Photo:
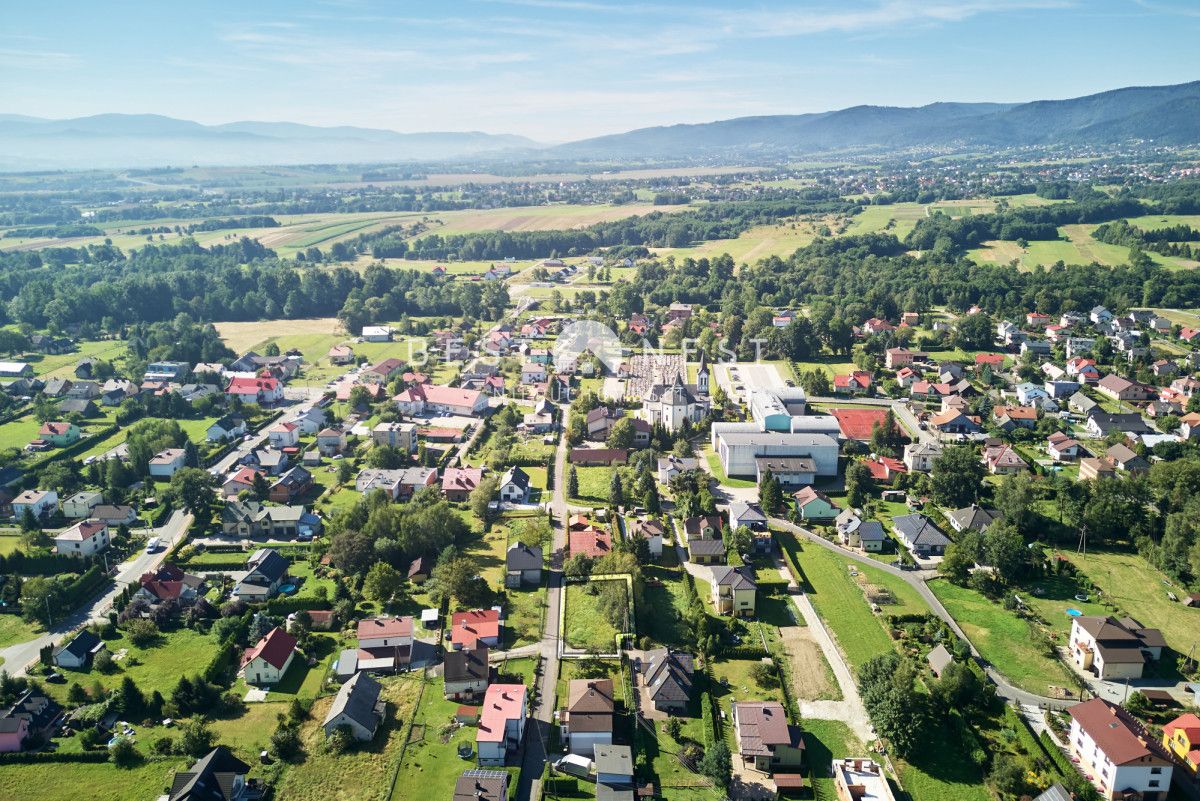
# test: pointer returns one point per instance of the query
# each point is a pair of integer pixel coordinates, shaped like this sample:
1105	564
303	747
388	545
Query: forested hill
1164	114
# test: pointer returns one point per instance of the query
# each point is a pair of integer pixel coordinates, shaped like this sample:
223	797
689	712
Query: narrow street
537	734
18	657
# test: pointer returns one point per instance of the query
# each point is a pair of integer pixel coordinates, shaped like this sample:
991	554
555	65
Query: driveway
17	657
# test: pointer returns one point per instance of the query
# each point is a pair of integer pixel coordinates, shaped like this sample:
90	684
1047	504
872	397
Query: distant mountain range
152	140
1164	114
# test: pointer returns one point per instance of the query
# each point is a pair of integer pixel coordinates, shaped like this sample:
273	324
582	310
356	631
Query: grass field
593	486
825	741
1139	590
666	595
1003	638
759	242
362	774
1076	246
180	652
103	781
841	603
941	772
897	218
244	336
585	626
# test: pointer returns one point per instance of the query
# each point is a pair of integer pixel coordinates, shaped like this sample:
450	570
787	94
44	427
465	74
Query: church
671	404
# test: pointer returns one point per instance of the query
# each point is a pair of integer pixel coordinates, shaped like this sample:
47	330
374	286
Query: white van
153	544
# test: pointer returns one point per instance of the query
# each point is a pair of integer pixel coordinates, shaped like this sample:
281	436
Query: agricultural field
307	335
897	218
363	774
754	244
43	781
1076	246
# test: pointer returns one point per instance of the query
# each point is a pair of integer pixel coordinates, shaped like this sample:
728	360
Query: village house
972	517
765	739
40	503
85	538
268	660
920	535
262	391
475	627
1113	649
283	435
857	382
358	708
734	591
1062	447
402	436
291	485
168	583
331	442
217	776
377	333
587	719
226	428
523	565
434	399
81	504
1002	460
920	456
266	571
1116	753
459	482
79	651
340	355
815	506
167	463
466	673
482	785
666	676
27	721
1122	389
251	519
514	485
60	434
501	723
1182	737
670	466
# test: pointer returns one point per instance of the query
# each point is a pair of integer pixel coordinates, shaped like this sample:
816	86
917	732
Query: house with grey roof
920	535
523	564
972	517
216	776
358	705
667	678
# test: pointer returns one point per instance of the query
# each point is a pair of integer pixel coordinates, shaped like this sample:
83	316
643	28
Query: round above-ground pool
1074	612
287	589
1081	597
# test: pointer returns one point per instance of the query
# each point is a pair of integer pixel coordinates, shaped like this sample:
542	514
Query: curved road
916	580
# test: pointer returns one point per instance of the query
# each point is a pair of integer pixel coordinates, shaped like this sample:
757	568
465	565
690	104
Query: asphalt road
17	657
916	579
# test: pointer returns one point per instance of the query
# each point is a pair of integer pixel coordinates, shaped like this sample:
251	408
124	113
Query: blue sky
561	69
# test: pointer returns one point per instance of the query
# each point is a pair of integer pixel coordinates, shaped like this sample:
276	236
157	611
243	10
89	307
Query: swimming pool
1074	612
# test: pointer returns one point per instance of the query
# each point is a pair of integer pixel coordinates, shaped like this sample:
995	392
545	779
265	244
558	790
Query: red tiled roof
461	478
501	703
469	627
989	358
1116	734
374	627
239	385
883	467
274	649
591	541
435	393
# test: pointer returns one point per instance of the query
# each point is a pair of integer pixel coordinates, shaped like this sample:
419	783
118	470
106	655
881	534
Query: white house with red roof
438	399
855	383
85	538
386	632
283	435
877	326
268	661
252	389
501	723
1003	460
1117	754
474	628
1062	447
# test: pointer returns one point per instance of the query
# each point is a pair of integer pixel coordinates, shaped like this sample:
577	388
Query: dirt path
810	671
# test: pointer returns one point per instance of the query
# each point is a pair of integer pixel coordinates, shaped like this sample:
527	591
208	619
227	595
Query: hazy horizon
557	70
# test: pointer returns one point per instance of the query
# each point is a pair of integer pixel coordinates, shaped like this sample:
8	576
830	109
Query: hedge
74	449
296	603
1025	734
87	583
745	652
161	515
1065	768
710	729
789	700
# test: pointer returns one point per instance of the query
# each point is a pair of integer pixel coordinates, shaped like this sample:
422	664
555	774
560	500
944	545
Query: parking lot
739	380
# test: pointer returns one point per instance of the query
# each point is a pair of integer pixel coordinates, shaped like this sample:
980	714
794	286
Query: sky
557	70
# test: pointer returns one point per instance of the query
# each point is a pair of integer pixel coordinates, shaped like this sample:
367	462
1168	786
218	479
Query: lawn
431	761
942	772
841	603
14	629
1137	589
19	432
180	652
825	741
363	774
732	682
1003	638
523	617
103	782
665	594
581	669
593	486
585	626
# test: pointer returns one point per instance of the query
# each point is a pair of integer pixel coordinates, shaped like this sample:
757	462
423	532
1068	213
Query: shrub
285	742
125	754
